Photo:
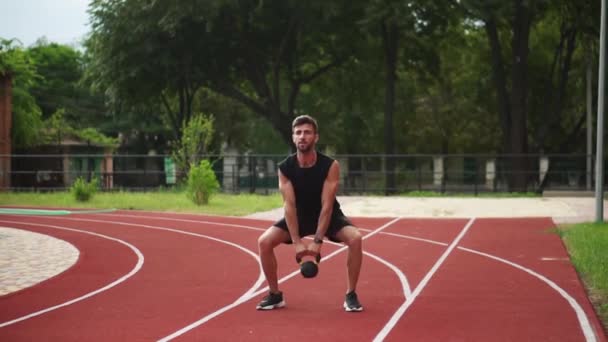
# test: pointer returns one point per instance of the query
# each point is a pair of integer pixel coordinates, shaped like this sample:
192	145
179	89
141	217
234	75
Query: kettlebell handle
317	258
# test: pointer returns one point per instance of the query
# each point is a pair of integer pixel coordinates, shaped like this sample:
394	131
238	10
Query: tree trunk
500	82
513	107
519	99
390	40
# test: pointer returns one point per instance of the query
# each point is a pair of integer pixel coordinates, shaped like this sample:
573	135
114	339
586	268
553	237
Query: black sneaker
272	301
351	302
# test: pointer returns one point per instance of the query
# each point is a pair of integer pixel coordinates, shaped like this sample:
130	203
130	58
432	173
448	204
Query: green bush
83	190
202	183
197	135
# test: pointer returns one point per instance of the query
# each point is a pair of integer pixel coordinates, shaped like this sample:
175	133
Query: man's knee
264	241
271	238
351	236
356	239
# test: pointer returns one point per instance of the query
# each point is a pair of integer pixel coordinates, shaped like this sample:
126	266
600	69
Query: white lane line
410	300
248	295
406	287
416	239
584	322
243	300
138	266
582	318
184	220
580	313
258	282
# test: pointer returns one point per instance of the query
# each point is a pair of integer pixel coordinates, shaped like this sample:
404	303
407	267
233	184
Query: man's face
304	137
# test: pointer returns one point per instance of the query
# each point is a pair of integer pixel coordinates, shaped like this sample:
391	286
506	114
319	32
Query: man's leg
352	238
267	242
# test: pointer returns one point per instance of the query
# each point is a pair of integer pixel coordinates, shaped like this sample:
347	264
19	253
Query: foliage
57	128
256	64
259	54
194	143
238	128
164	46
16	64
27	117
202	183
453	114
45	78
83	190
60	69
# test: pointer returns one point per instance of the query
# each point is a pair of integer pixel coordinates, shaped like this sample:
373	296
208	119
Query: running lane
182	277
314	306
476	282
476	295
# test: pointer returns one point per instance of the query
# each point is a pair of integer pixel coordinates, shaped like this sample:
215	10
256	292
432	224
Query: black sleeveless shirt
308	184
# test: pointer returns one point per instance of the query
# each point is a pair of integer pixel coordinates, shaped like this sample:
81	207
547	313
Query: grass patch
587	244
220	204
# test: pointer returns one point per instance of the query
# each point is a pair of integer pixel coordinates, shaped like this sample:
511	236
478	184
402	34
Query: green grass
220	204
587	244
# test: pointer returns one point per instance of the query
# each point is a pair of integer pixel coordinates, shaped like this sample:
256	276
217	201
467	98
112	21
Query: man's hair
305	119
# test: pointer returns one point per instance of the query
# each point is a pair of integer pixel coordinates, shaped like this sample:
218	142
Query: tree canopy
465	76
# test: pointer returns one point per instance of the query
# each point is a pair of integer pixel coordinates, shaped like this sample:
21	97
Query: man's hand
314	248
301	249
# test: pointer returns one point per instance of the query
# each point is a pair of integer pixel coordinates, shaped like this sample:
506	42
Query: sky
60	21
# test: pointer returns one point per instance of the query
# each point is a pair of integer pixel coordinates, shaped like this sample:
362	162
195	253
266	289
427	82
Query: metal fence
360	174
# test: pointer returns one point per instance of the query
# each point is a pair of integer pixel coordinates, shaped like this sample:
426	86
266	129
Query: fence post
6	95
419	176
490	173
543	167
229	181
438	172
475	178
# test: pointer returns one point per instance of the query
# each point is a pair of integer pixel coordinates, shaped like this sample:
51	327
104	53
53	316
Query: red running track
144	276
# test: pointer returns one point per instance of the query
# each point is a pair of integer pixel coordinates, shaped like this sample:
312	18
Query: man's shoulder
323	157
289	160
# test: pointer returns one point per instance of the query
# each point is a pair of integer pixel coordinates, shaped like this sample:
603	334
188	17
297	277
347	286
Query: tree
142	52
564	40
257	53
283	46
452	110
399	22
27	121
60	71
517	18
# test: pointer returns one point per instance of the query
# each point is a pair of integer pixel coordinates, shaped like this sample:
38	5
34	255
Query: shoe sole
271	307
349	309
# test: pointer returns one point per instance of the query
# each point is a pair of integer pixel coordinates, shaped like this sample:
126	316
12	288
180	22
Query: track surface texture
145	276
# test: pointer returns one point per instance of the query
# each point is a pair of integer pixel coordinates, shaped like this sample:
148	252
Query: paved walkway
561	209
28	258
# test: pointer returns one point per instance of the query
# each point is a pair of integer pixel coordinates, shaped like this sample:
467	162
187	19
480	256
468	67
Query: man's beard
305	148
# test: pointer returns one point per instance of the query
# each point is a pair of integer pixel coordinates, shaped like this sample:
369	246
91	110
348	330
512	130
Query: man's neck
307	159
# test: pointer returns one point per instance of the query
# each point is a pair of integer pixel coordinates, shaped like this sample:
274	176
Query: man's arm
291	214
328	196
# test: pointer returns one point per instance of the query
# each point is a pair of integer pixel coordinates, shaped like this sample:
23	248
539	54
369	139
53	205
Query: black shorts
309	227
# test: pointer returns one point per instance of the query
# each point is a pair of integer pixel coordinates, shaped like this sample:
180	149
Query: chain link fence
360	174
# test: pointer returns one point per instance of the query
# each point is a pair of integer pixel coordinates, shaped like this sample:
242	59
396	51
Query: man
308	181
